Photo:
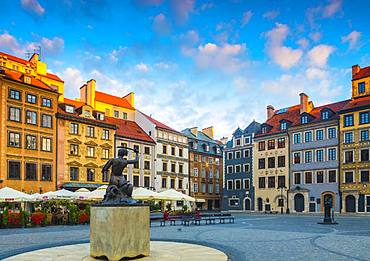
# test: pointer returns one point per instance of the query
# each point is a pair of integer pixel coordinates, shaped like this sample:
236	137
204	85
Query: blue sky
197	63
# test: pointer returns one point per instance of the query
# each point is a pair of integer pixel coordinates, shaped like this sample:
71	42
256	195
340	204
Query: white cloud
303	43
319	55
332	8
142	67
161	25
33	6
73	80
286	57
271	14
316	73
323	11
181	10
115	54
9	43
246	17
352	38
316	36
54	45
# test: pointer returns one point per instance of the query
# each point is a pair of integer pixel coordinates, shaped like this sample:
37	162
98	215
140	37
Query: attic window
87	113
27	79
304	119
100	116
325	115
207	148
283	125
264	130
70	109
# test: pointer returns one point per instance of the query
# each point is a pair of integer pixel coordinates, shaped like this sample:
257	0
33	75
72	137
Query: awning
78	185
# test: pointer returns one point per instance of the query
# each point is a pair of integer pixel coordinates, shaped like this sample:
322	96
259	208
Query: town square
184	130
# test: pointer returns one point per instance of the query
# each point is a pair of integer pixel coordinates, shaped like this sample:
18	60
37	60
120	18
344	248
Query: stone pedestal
119	231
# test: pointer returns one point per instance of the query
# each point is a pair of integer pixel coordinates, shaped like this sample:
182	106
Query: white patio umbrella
145	194
11	195
98	193
60	194
82	193
35	197
174	195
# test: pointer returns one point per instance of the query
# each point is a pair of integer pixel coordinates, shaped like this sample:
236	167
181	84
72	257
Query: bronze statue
119	190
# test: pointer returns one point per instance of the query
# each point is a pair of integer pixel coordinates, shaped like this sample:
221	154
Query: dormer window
238	142
304	119
325	115
195	146
27	79
218	150
70	109
87	113
207	148
361	87
100	116
264	130
283	126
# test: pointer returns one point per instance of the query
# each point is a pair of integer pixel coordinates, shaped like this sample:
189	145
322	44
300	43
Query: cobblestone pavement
252	237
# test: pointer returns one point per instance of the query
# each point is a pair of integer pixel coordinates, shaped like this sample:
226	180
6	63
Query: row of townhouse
303	155
54	142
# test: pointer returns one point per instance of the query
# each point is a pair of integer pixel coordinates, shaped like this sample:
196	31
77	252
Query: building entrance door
350	203
259	203
247	204
299	202
367	203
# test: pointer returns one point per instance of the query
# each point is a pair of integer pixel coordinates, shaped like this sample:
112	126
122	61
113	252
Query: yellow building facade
355	145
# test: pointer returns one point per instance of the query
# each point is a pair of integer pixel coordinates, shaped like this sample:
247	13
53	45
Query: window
364	155
31	117
246	153
229	169
319	134
281	143
229	185
261	182
281	161
320	176
271	182
90	175
136	165
319	155
173	151
348	177
164	149
332	133
46	172
304	119
281	181
229	155
308	177
332	154
308	136
105	134
105	153
180	184
14	114
31	171
247	140
31	142
172	183
90	152
332	176
238	168
246	168
73	173
100	116
283	126
308	156
364	135
271	162
90	131
296	138
204	188
246	184
217	188
146	164
297	178
73	128
14	170
14	139
195	171
238	142
124	115
217	173
271	144
348	157
297	157
73	149
164	182
147	150
116	114
46	121
348	137
181	168
348	120
361	87
325	115
146	181
237	154
364	176
264	130
70	109
261	163
261	145
180	152
238	184
31	98
364	117
204	159
173	167
45	144
195	187
46	102
14	94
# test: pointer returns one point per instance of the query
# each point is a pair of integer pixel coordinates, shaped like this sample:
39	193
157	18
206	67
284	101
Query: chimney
355	69
194	131
209	131
87	93
270	111
303	103
224	140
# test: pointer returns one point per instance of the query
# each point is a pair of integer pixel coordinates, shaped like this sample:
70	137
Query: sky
197	63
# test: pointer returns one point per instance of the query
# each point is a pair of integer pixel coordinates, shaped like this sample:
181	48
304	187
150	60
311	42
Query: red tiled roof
364	72
54	77
18	76
159	124
129	129
357	102
14	58
114	100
